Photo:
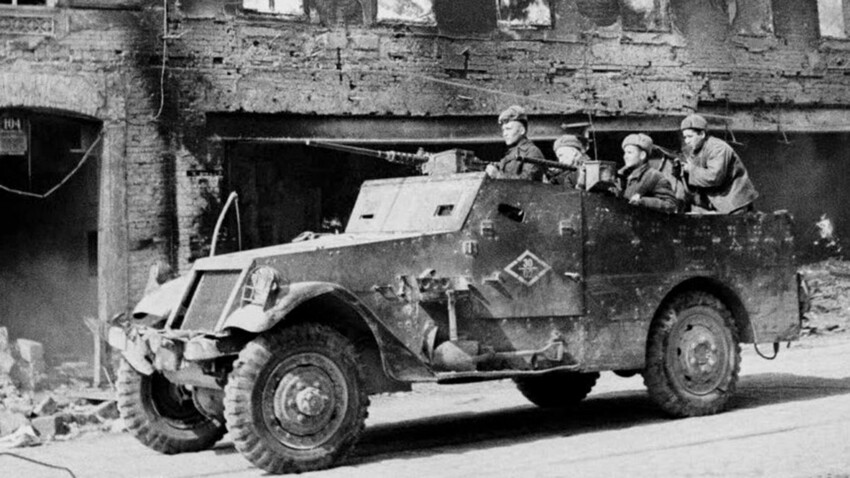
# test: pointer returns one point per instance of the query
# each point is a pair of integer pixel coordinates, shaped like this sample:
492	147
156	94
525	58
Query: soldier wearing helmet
645	186
570	152
514	123
714	172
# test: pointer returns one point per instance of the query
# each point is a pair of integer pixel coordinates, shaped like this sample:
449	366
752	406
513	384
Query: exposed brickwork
106	64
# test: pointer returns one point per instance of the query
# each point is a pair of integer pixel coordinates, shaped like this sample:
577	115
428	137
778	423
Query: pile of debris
39	404
829	296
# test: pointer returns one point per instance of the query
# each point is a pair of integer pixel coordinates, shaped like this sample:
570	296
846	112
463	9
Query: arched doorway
49	188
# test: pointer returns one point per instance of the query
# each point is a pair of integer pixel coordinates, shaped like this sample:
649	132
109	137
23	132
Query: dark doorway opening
48	245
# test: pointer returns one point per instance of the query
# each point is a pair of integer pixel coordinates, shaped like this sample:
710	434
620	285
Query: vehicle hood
243	259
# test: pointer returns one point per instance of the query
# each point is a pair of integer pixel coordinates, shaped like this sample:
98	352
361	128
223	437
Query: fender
398	361
252	318
161	301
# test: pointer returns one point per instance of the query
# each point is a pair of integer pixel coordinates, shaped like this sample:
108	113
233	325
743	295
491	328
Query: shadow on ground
599	413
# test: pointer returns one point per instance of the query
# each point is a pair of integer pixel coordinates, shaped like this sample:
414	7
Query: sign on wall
13	135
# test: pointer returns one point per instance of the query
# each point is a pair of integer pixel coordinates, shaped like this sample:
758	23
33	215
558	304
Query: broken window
280	7
43	3
602	13
525	13
645	15
831	18
753	17
406	11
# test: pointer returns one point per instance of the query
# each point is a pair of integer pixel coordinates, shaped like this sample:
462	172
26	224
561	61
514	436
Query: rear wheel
295	400
693	356
162	414
556	389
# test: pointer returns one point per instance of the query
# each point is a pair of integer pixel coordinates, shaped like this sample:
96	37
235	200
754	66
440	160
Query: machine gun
445	162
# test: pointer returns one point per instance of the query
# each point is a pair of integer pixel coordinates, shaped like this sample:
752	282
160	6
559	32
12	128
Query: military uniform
652	186
511	167
719	179
570	178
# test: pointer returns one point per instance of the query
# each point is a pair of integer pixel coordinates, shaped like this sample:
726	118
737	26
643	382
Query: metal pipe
232	197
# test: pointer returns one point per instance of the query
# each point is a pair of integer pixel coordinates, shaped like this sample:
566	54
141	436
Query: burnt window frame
14	4
398	21
507	24
845	22
304	15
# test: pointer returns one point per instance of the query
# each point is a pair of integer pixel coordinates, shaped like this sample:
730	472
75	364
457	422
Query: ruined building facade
126	123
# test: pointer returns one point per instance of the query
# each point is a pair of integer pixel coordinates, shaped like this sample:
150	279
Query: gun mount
444	162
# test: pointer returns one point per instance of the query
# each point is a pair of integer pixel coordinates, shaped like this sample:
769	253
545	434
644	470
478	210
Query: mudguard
163	299
399	362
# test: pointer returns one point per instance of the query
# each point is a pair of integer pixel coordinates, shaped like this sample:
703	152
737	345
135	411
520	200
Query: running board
468	377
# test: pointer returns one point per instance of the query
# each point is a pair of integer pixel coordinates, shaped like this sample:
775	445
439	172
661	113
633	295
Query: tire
295	400
162	415
557	389
693	356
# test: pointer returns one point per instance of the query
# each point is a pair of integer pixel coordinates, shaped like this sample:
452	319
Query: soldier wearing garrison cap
514	123
645	186
570	152
714	172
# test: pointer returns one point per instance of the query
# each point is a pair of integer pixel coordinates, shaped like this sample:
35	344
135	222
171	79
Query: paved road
791	419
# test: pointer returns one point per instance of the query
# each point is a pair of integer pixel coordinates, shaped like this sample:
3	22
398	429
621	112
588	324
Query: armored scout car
451	278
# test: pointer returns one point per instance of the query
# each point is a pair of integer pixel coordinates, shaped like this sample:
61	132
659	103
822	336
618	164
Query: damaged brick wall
620	58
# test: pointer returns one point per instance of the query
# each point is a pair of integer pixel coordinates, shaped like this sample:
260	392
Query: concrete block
31	351
47	406
11	421
31	366
107	410
7	358
51	426
45	426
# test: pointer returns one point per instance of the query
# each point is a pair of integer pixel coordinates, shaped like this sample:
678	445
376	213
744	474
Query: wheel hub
311	401
306	401
700	358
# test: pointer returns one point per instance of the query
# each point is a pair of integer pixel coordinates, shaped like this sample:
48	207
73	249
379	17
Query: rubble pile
829	296
40	403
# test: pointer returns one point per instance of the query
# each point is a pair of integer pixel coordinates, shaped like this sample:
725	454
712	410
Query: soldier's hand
635	199
492	170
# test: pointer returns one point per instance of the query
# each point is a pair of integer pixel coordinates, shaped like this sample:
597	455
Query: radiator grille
209	299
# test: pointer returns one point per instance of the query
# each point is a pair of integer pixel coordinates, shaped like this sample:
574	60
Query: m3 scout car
451	278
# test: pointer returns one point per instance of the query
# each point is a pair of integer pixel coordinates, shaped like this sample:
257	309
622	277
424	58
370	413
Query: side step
469	377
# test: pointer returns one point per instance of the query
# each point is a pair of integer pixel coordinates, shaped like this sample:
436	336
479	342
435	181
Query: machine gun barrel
410	159
548	164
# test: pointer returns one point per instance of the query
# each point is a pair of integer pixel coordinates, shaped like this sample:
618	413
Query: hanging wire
164	56
64	180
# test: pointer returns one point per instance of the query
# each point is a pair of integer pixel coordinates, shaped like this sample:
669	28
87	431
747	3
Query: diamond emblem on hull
527	268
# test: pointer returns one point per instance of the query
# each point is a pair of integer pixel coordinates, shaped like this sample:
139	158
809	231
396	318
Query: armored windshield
425	204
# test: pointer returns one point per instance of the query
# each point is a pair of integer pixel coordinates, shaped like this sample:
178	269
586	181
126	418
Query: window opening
513	213
280	7
525	13
645	15
406	11
43	3
831	19
445	210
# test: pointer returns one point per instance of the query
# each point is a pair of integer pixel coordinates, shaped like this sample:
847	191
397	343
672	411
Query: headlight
262	283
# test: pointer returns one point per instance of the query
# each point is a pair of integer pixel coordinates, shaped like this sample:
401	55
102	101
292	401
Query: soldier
714	171
514	127
645	186
570	152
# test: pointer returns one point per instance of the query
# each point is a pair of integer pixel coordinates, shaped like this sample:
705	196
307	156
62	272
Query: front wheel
295	400
162	414
693	356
